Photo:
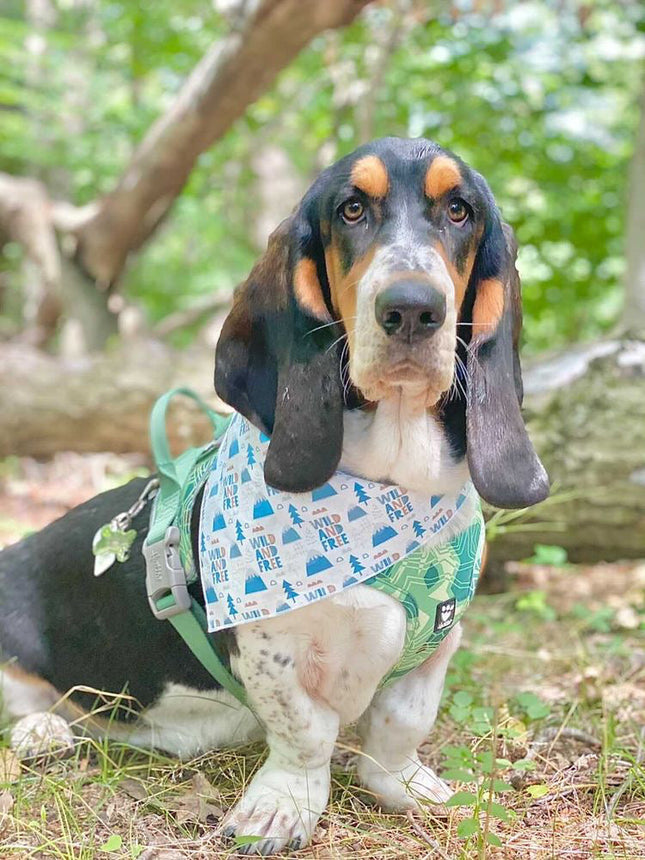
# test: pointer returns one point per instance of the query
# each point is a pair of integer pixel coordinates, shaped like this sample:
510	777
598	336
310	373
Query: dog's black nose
411	309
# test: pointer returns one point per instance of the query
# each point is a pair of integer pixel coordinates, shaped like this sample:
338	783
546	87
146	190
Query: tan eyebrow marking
442	175
370	175
307	289
488	307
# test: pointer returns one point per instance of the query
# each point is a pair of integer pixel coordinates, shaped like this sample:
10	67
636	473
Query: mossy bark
585	411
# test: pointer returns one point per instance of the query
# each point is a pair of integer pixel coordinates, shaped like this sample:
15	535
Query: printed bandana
265	551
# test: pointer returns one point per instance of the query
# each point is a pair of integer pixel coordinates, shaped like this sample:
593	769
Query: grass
558	683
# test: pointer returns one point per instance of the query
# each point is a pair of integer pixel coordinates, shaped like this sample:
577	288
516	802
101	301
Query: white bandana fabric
265	551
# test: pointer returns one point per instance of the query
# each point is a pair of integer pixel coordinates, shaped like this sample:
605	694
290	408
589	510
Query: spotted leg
396	722
282	804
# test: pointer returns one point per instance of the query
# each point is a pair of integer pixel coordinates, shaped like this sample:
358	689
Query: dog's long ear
278	361
503	464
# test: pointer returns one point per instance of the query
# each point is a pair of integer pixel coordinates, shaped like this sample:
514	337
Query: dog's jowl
336	534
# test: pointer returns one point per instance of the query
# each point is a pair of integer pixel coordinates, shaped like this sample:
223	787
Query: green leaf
538	790
498	811
493	839
554	556
462	798
241	841
467	827
524	764
113	843
497	785
459	775
462	698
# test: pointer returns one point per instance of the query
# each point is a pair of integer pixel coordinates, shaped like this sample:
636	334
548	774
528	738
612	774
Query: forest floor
542	728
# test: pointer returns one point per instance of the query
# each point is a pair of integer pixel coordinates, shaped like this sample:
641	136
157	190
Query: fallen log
585	410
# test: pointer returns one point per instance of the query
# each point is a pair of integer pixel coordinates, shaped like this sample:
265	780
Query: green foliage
554	556
536	602
541	98
479	769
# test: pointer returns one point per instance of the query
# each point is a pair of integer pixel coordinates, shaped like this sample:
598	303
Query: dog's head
394	273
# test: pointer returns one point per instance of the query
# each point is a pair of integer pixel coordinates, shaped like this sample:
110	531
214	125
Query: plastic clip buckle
165	577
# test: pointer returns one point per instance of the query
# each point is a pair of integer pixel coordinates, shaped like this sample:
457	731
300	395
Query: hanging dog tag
110	544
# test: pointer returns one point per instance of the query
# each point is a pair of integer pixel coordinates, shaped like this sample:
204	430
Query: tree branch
233	74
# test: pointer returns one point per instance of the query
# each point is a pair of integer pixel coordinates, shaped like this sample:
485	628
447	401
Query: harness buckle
165	576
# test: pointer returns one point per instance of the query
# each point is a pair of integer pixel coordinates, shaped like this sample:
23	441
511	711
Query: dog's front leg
291	789
397	721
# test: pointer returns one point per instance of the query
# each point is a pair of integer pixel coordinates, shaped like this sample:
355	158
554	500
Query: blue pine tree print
357	567
239	534
361	495
202	543
250	455
418	528
232	611
296	519
289	590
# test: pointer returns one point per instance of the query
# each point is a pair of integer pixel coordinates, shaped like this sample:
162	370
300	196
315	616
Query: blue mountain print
253	584
218	522
210	595
434	500
290	535
283	607
355	513
234	448
383	534
350	580
409	548
235	551
317	564
245	478
262	509
264	438
323	492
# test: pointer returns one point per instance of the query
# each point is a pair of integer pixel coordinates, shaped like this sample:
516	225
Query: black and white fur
309	672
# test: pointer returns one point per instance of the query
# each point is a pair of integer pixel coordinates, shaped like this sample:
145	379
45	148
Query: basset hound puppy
377	337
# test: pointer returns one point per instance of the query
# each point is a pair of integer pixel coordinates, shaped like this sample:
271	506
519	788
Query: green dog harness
433	582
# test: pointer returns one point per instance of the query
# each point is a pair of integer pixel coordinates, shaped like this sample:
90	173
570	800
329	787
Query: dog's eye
352	210
458	211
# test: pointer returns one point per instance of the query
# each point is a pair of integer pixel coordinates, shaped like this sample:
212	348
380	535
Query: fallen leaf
133	788
197	803
9	766
162	854
6	805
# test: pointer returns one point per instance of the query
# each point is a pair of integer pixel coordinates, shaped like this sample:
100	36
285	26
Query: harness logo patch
445	614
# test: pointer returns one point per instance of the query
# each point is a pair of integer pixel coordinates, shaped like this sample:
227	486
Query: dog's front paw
279	810
404	788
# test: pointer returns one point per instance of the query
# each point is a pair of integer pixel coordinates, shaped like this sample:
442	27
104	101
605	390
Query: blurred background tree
96	105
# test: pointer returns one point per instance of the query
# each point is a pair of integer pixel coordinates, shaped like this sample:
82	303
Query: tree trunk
634	313
586	415
97	239
585	412
232	75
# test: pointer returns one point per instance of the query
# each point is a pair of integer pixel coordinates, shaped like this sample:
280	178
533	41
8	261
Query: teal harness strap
166	581
173	473
191	626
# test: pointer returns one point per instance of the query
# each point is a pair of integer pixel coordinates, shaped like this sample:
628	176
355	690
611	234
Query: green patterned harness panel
435	585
